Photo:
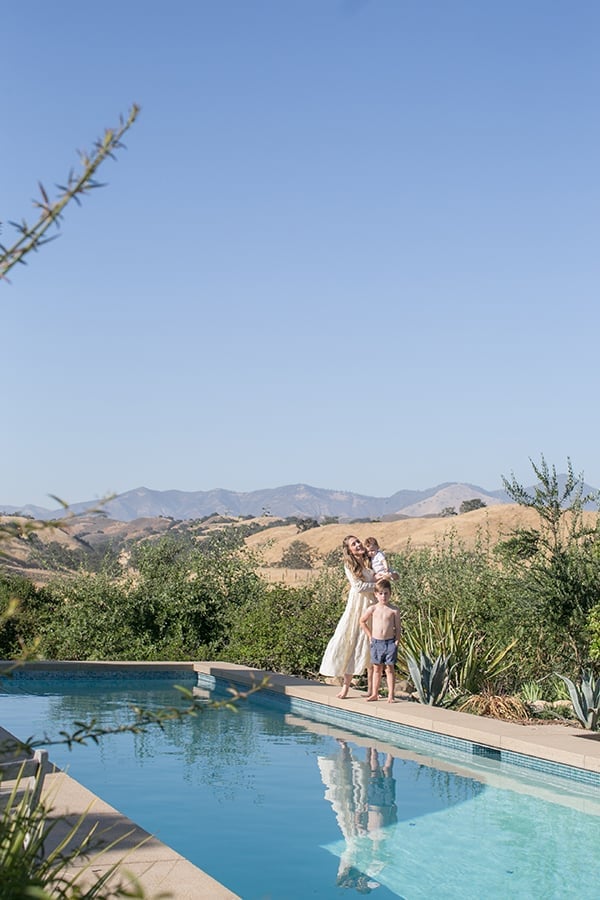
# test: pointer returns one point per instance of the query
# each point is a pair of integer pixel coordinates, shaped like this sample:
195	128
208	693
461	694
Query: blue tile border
126	674
410	737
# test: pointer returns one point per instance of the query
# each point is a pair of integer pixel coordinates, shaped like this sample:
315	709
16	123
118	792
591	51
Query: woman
348	651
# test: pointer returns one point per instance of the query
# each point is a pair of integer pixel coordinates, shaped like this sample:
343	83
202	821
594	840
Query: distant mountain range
300	500
291	500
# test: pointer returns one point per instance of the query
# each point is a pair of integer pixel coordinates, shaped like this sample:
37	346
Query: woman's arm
357	582
392	575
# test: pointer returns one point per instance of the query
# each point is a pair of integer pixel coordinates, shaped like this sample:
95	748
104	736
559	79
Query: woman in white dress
348	652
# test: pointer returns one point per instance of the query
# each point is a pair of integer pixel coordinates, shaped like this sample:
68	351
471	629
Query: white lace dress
348	651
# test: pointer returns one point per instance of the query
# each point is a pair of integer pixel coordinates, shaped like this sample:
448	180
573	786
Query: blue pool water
276	806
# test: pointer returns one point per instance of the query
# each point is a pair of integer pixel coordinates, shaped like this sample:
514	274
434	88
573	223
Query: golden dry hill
495	521
491	523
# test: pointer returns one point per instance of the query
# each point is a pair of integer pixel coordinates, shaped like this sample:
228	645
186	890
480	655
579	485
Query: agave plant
430	678
476	666
585	698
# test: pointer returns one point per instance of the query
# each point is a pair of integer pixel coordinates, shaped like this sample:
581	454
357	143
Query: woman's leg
345	687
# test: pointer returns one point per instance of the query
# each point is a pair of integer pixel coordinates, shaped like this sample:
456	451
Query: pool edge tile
445	727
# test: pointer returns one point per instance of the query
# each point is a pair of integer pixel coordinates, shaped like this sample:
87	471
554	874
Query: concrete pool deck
161	869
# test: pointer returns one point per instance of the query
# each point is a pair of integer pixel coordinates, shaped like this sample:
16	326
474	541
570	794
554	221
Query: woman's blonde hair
355	564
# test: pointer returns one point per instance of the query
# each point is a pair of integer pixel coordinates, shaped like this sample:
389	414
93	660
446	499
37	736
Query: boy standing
381	624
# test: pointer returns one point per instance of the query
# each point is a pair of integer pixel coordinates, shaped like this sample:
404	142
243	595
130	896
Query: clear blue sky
351	243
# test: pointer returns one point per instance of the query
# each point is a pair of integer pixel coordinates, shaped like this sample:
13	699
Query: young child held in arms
381	624
377	556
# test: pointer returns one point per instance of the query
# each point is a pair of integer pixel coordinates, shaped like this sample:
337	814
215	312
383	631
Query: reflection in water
362	793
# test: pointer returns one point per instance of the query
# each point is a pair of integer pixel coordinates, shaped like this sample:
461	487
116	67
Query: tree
469	505
448	511
297	556
559	508
558	561
306	524
333	558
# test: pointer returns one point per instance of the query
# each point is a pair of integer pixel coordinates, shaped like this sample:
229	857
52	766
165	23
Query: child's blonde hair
372	543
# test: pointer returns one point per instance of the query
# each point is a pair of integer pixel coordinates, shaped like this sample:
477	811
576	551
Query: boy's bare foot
343	693
391	699
372	698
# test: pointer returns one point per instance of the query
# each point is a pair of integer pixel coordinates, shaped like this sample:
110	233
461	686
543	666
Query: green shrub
557	563
178	605
593	626
286	629
25	603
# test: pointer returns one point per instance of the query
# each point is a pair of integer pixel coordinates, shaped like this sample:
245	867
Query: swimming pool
276	806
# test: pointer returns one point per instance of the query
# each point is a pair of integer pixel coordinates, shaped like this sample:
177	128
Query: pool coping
159	868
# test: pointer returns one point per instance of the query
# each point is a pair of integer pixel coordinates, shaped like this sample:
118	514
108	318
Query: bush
24	602
176	606
557	563
477	665
467	581
593	626
286	629
500	601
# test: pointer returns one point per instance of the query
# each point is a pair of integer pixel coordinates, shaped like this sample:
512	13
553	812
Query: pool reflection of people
362	793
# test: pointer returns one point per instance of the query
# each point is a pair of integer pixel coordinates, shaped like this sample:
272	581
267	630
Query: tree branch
32	237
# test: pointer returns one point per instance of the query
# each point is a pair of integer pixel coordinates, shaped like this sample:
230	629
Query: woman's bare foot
391	699
375	697
343	693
